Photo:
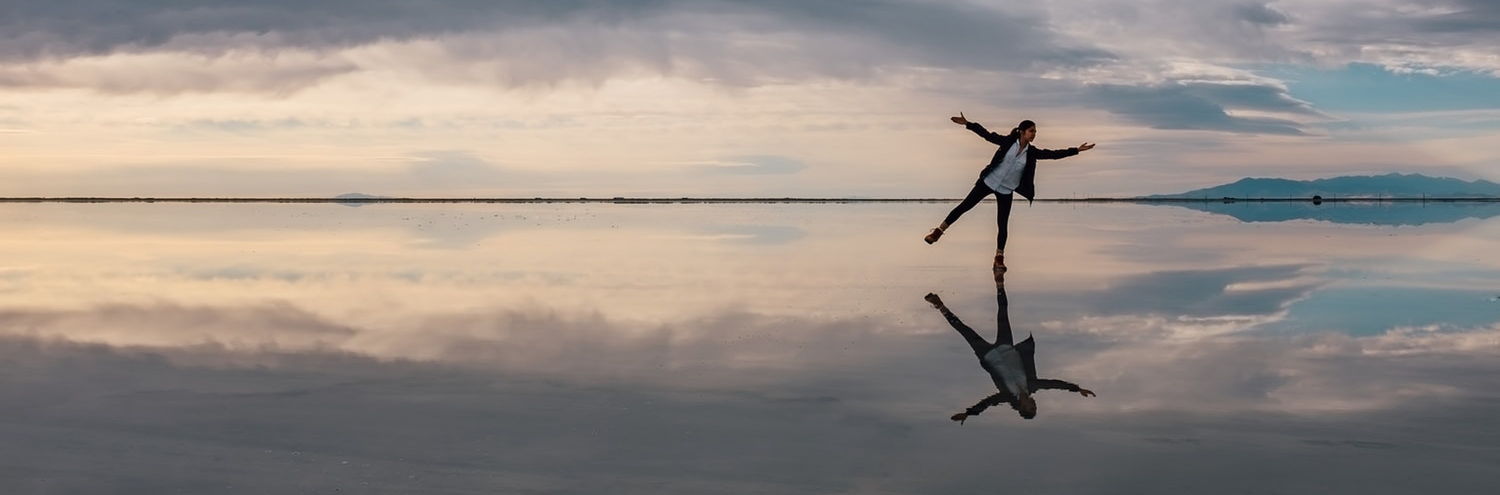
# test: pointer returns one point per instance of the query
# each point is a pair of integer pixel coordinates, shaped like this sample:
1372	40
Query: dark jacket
1027	188
1027	348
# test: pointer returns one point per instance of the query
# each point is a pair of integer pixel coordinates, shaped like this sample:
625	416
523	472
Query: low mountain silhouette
357	199
1364	186
357	195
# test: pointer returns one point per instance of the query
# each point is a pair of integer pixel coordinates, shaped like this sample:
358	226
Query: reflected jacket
1027	348
1027	188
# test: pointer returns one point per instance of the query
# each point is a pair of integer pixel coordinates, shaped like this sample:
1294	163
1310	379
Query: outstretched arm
1042	154
978	129
1050	384
975	409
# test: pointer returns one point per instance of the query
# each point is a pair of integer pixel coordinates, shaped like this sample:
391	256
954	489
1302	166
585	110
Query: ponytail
1021	127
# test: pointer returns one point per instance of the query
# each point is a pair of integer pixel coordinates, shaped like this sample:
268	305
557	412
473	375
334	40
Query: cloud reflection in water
622	351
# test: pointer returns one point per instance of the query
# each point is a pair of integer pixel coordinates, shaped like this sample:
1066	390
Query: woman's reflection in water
1012	366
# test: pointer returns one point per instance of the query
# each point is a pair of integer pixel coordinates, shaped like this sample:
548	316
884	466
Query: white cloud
276	73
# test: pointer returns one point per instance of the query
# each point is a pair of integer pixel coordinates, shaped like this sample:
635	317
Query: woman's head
1025	406
1025	131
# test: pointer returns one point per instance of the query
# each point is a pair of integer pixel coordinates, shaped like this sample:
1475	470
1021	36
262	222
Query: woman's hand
1085	392
960	417
1081	147
960	120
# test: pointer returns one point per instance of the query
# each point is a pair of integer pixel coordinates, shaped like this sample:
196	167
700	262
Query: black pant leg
1002	319
1003	219
976	195
976	342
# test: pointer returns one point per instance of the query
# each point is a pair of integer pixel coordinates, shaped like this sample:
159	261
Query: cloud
78	28
330	422
459	170
1376	310
1249	291
945	34
1144	360
579	404
1153	42
1262	14
430	173
519	43
163	73
753	165
711	351
1452	34
1467	17
167	325
1203	106
637	73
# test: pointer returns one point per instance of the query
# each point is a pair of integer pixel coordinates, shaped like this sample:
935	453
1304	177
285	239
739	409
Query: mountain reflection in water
1350	212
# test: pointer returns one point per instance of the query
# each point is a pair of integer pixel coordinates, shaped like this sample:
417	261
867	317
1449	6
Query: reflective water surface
740	348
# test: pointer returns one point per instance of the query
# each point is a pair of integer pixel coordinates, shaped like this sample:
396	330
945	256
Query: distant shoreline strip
686	200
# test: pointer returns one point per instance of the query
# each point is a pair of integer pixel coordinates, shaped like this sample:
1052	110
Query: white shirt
1006	361
1005	178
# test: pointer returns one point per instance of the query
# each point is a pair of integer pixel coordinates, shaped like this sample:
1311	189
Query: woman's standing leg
1002	319
976	195
1002	220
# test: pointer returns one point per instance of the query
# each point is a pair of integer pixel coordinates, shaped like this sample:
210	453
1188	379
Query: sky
732	98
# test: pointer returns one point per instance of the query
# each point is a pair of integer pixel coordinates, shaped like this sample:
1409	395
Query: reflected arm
983	404
1050	384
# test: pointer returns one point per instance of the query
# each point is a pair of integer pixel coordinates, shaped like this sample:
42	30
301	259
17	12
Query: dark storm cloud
1436	26
1203	106
945	34
81	27
525	42
1464	17
1261	14
1250	96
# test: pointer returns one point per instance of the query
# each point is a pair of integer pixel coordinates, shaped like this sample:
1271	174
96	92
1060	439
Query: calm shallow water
742	348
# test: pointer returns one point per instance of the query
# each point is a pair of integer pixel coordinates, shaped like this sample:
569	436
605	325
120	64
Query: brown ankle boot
934	236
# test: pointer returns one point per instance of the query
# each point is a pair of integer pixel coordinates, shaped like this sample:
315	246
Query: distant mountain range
359	196
1367	186
357	199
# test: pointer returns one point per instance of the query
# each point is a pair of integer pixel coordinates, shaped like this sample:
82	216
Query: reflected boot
934	300
999	265
934	236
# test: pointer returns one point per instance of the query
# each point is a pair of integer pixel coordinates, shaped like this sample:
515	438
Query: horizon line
687	199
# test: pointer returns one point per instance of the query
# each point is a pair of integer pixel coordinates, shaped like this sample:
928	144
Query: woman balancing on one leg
1012	170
